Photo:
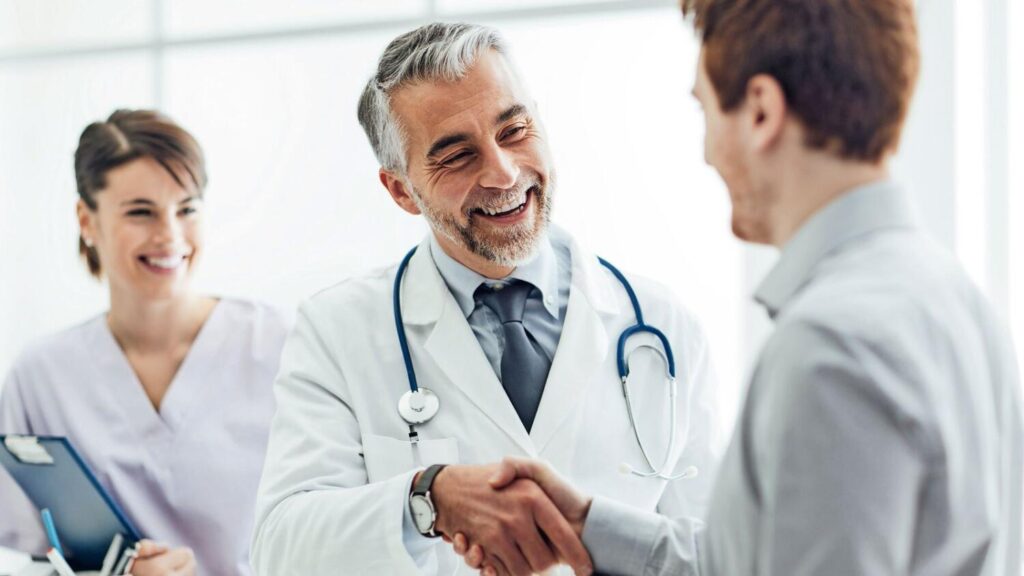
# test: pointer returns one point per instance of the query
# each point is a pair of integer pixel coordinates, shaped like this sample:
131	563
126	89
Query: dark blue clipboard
86	517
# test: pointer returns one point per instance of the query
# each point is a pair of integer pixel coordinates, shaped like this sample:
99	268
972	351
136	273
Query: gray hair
434	52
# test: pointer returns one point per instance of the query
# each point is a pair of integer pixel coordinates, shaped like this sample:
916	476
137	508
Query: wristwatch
421	505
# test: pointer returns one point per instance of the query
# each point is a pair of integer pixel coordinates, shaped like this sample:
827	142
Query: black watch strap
426	480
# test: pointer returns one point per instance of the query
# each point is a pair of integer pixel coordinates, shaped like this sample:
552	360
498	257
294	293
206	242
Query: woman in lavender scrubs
167	395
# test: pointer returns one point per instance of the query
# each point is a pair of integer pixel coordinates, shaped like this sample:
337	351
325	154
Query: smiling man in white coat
511	325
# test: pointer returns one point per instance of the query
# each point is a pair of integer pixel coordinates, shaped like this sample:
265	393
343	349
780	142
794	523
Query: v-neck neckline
182	393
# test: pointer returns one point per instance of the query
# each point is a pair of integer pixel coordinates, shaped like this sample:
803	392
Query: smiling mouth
513	208
165	262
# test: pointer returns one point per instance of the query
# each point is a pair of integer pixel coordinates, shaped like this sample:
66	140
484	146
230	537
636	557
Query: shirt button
497	286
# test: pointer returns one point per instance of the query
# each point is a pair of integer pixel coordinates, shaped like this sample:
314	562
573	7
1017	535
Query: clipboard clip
28	450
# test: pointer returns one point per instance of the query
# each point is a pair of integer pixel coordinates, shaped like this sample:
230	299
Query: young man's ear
766	101
399	190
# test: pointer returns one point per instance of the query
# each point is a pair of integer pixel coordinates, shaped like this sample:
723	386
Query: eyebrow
510	113
148	202
444	142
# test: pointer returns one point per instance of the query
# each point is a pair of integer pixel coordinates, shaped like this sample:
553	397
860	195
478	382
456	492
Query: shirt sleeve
838	464
623	540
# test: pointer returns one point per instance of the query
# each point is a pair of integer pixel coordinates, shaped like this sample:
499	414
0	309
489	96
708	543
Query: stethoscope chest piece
418	407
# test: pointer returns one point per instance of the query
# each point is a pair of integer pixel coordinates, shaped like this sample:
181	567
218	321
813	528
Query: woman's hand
160	560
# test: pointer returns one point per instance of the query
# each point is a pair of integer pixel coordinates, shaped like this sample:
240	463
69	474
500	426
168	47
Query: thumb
148	548
508	470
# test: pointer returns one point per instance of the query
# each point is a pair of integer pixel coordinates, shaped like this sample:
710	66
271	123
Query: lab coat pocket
387	457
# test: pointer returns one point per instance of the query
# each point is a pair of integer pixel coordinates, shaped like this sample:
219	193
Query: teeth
510	206
169	263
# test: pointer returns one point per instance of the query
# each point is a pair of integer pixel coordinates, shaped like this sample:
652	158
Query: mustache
487	198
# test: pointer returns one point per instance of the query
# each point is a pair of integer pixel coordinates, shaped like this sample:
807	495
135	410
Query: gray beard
517	247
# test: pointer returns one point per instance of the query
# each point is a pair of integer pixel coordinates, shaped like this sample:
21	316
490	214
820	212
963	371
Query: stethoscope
419	404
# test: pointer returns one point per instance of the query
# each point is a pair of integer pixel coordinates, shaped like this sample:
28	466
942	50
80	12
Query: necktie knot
507	300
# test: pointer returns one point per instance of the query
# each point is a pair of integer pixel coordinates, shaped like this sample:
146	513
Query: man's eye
456	158
139	212
514	131
188	210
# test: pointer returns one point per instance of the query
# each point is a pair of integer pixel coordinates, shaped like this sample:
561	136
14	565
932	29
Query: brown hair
847	67
125	136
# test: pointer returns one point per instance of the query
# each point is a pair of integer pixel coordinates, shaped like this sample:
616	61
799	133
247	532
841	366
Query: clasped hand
513	518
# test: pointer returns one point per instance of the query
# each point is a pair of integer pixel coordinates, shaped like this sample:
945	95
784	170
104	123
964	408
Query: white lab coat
339	463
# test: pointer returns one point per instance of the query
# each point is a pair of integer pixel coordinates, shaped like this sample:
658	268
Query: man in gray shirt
882	431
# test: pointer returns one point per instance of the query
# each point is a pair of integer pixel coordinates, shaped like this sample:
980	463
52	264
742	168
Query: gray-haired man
509	322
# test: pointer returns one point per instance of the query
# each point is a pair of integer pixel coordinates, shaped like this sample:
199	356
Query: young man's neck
807	186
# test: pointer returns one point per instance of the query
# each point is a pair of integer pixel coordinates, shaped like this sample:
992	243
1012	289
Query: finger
536	551
496	566
460	544
475	557
489	571
148	548
503	475
562	537
511	559
188	560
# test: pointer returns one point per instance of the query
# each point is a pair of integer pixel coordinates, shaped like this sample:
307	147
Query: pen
127	560
51	530
58	563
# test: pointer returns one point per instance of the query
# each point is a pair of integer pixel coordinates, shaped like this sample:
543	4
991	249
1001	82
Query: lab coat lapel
454	348
582	348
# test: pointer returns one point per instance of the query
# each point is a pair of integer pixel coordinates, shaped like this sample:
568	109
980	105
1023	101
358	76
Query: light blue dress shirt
882	430
550	272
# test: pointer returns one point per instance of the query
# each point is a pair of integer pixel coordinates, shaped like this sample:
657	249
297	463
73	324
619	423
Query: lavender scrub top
185	475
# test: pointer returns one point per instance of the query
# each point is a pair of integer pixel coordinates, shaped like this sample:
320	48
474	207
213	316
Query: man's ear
767	110
400	192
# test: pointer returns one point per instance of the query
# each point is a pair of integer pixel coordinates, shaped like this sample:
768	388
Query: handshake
513	518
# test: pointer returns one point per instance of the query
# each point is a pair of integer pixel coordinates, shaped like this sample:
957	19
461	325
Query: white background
269	88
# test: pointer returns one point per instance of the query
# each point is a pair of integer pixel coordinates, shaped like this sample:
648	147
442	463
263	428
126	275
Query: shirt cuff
418	545
619	537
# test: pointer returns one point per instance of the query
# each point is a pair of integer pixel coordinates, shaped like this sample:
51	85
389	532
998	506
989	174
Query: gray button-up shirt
881	433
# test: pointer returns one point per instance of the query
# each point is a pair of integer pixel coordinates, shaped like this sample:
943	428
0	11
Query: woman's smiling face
146	228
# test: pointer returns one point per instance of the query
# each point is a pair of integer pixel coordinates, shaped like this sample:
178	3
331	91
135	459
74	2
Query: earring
88	242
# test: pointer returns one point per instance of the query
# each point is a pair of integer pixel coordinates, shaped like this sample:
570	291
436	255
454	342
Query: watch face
422	513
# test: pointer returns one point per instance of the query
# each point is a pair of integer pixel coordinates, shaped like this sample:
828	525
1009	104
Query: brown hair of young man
847	67
125	136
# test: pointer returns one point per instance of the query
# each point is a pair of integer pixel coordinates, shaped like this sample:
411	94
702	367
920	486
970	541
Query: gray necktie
524	365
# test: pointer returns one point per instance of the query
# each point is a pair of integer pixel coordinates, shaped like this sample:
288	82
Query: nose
168	229
500	169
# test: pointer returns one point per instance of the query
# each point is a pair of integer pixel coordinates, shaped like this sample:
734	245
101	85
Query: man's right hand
520	528
572	505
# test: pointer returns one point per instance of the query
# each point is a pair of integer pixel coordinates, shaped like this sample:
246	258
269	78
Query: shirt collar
870	208
541	271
